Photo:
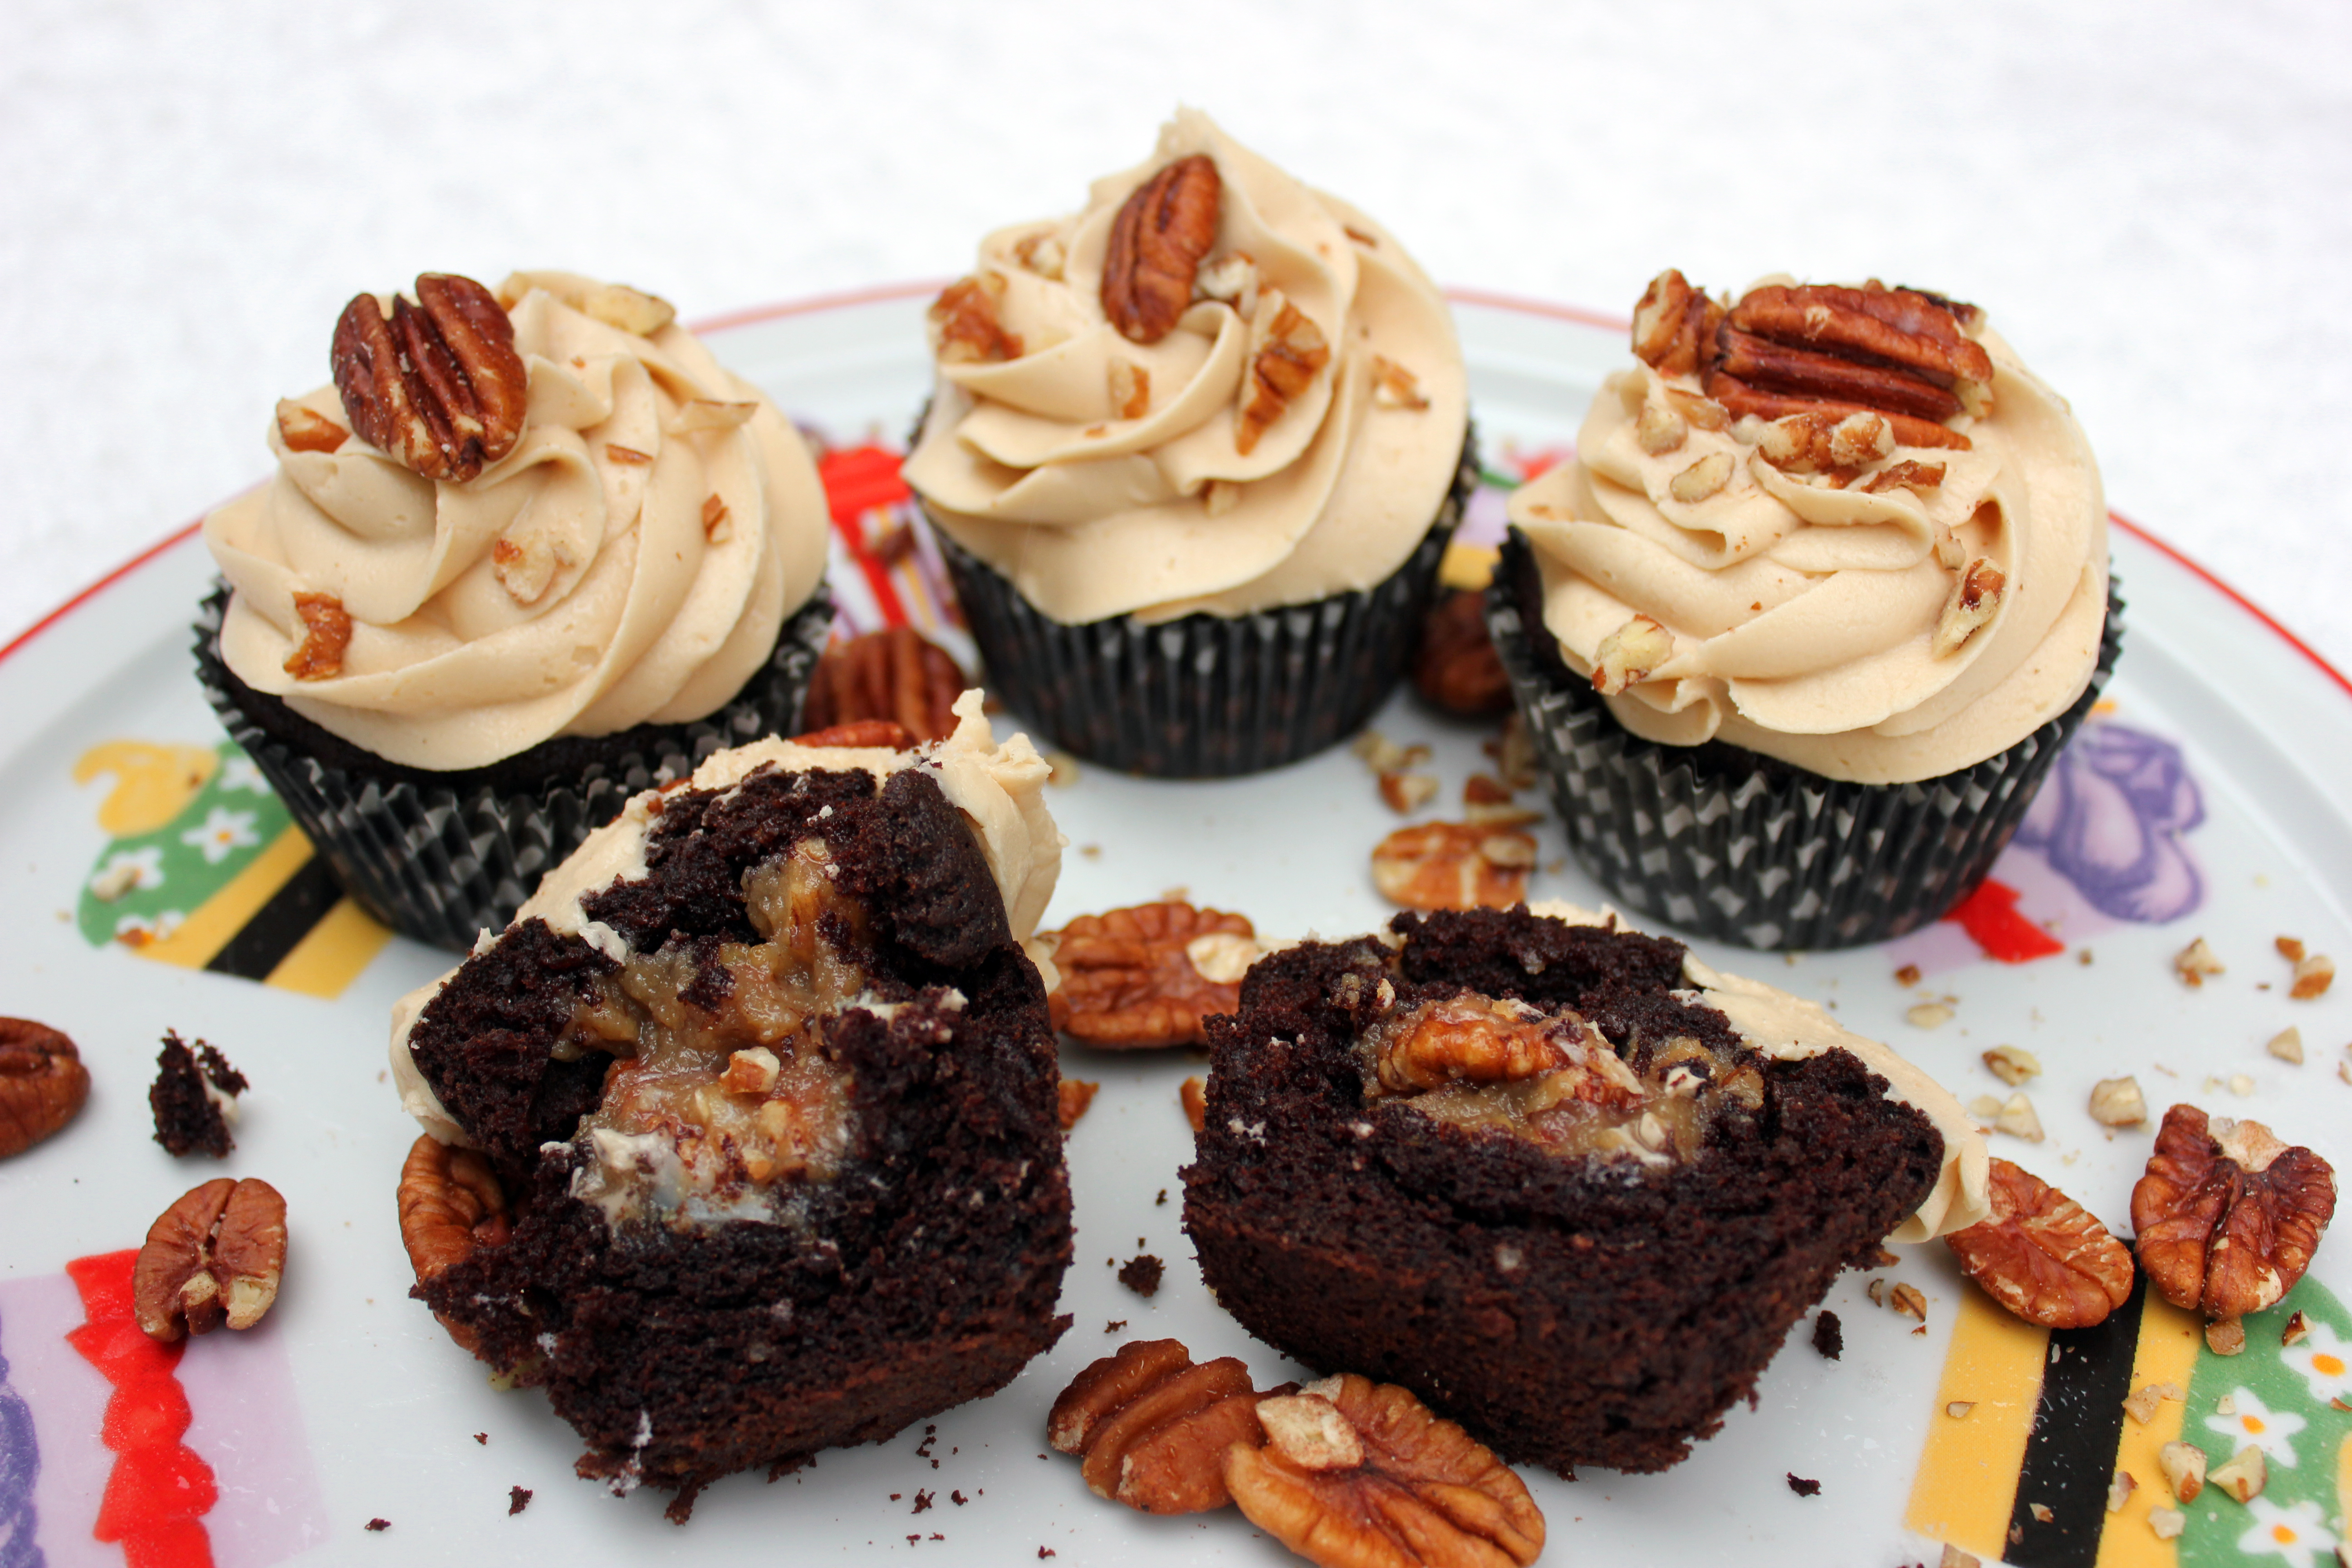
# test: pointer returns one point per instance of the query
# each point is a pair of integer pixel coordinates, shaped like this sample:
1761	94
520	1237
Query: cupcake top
1212	389
1844	527
998	789
546	512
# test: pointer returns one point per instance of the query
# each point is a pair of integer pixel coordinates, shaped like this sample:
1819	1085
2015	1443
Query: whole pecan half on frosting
1157	242
437	384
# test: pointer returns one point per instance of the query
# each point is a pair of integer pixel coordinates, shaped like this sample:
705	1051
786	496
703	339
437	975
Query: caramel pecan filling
722	1104
1489	1064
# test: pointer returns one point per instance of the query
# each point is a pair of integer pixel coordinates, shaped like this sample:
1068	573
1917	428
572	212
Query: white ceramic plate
2211	799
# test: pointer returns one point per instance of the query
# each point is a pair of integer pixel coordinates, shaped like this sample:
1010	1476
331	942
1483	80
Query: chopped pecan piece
2118	1103
1457	667
1393	386
1822	442
969	330
42	1083
2228	1215
1705	477
1974	601
2042	1254
1355	1474
307	430
1453	866
1289	349
1075	1095
2314	974
1157	241
1192	1094
1905	475
1151	1428
438	386
1144	977
213	1256
1627	656
1130	389
2197	963
895	674
326	633
1675	325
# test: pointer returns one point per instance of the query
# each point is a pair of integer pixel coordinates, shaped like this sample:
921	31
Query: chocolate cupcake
1563	1181
1801	629
1193	454
741	1142
528	555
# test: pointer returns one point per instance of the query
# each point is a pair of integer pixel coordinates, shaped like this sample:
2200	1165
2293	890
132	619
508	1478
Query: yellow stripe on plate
331	954
2167	1353
211	924
1967	1482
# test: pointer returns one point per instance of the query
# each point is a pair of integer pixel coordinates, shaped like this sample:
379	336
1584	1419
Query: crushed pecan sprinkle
306	430
895	674
1157	241
1289	349
1146	976
2228	1215
326	633
436	385
1453	866
969	330
2042	1254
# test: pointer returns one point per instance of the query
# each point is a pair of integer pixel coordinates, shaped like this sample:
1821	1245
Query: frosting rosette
629	558
1841	527
1211	390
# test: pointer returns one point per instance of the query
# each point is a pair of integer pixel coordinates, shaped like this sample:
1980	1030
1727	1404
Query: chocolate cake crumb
1161	1199
1045	1552
187	1117
923	1502
1141	1274
378	1524
483	1438
958	1499
1829	1334
1803	1487
1114	1325
518	1500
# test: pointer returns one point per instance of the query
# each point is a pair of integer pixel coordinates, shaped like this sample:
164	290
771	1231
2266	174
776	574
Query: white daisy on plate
2251	1424
221	833
239	772
2298	1533
2324	1361
128	871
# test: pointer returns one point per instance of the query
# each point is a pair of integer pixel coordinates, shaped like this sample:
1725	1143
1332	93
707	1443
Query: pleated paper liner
441	858
1722	843
1206	696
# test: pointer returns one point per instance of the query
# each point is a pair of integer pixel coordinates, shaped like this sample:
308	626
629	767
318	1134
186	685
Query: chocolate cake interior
786	1173
1518	1166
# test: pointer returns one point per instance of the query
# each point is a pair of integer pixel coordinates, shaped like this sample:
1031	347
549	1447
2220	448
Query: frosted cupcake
1809	618
1195	451
527	555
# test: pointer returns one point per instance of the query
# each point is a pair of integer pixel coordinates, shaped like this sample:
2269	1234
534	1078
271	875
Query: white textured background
2154	201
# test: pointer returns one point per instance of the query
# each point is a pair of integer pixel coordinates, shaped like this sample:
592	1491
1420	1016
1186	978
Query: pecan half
1453	866
436	385
1355	1474
1457	667
965	315
1143	977
2228	1215
213	1256
2042	1254
1151	1428
895	674
1287	349
1673	324
326	633
1157	242
42	1083
450	1205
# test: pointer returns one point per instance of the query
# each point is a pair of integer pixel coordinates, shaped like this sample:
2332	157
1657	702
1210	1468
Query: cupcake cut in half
1195	451
529	552
1562	1180
741	1142
1805	622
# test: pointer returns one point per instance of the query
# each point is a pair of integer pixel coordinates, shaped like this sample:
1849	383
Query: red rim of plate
855	296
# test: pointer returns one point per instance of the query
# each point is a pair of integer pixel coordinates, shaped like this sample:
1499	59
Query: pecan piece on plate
1143	977
436	385
1457	667
1453	866
213	1256
1151	1428
42	1083
896	674
1155	245
1355	1474
2042	1254
2228	1215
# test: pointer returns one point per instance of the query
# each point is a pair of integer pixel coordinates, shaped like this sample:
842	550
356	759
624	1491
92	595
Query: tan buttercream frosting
1789	1028
999	788
1803	615
584	583
1028	464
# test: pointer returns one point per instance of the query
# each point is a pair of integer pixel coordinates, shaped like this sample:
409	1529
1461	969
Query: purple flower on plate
2110	820
20	1466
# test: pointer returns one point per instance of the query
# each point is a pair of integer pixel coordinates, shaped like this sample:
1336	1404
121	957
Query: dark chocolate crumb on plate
483	1438
1829	1334
958	1499
1045	1552
1141	1274
1803	1487
923	1502
378	1524
1114	1325
518	1500
187	1117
